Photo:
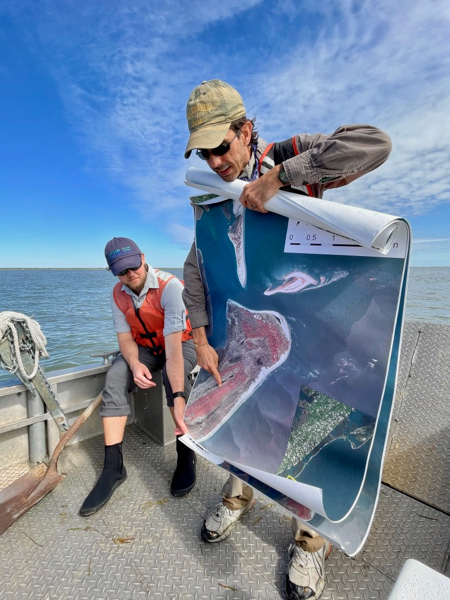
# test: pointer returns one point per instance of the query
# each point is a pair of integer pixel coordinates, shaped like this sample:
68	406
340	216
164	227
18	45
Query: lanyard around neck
255	168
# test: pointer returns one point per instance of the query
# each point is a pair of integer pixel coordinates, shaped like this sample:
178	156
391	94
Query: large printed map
305	345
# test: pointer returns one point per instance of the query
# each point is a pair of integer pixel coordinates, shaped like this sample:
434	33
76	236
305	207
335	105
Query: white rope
32	328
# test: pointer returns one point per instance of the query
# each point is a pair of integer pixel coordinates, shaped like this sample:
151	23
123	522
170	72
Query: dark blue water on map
73	309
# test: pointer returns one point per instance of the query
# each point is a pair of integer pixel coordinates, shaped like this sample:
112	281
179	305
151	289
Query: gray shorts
119	379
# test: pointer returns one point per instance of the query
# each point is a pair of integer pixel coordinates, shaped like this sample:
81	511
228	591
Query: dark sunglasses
219	151
125	271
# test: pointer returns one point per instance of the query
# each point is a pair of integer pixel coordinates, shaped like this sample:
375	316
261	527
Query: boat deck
146	544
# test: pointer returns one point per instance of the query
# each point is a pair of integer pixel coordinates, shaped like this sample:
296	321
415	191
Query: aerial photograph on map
257	343
304	343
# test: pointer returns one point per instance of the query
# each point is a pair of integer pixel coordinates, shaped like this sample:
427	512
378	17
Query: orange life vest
147	322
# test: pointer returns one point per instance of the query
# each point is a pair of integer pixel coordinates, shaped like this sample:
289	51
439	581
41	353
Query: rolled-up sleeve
173	306
194	293
335	160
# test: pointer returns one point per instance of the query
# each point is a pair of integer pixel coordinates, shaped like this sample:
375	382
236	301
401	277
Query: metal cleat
106	355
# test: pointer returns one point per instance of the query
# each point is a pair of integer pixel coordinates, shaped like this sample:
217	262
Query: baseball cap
122	253
210	110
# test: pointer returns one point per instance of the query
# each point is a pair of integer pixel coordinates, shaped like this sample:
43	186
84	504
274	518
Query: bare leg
113	429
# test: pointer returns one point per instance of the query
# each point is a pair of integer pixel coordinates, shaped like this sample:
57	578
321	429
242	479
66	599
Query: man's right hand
208	359
142	376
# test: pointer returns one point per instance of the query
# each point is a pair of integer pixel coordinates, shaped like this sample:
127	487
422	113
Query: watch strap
179	395
282	176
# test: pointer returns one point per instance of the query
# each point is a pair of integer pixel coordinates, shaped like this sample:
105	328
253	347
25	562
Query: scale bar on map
304	238
329	245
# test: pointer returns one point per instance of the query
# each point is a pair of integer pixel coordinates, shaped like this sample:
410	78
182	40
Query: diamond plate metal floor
10	474
418	458
146	544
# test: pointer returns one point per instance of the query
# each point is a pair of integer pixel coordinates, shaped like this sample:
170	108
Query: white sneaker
220	521
305	577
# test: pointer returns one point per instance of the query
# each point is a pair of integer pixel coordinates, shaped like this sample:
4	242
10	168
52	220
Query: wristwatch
282	176
179	395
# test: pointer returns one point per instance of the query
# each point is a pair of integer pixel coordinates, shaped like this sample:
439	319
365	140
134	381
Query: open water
72	307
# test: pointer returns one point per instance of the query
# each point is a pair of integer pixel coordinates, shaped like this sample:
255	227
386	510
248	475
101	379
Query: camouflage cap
211	108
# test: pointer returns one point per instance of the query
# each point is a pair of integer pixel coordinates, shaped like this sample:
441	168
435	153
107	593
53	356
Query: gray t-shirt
171	302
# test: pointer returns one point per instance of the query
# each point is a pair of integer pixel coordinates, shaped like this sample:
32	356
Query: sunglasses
125	271
219	151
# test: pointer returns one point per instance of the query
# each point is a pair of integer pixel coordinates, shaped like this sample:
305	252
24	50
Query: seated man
154	333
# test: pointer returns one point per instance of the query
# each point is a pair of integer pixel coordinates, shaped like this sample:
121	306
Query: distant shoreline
72	268
104	268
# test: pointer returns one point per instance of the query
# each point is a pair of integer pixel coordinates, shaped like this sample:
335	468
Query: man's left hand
258	192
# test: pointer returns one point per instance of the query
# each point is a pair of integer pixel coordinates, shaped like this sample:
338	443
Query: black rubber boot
113	474
184	477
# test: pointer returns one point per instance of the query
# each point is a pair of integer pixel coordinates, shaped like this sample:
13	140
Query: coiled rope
36	339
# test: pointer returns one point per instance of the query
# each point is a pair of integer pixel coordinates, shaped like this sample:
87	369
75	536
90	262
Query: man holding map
305	164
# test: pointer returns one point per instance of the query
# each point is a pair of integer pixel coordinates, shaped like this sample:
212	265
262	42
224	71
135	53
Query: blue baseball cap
122	253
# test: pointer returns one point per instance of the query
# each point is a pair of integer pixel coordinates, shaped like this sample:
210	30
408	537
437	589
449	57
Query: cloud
431	252
124	74
431	241
181	235
377	63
